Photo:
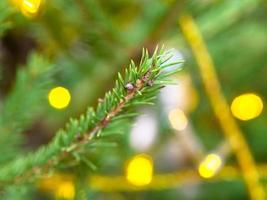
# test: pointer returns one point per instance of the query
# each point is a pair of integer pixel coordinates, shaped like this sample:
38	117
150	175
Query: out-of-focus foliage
87	42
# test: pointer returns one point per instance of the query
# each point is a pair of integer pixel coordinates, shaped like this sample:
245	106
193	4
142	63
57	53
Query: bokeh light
144	132
139	170
178	119
247	106
30	7
59	97
210	165
65	190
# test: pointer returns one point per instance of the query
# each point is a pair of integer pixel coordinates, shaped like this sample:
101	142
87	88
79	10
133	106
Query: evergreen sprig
138	87
23	103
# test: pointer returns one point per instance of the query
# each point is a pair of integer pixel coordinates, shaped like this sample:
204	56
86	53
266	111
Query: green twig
138	85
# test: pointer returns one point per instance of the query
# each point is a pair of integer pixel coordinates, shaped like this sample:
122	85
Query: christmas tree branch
22	103
139	86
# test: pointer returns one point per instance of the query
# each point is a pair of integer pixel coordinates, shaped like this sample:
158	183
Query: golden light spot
210	166
247	106
65	190
59	97
178	119
140	170
30	7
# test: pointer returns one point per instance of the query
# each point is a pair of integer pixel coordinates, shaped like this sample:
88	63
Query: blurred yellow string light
232	132
160	181
65	190
59	97
30	7
139	170
210	165
247	106
178	119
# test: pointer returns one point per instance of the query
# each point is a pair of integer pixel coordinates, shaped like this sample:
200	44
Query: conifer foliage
138	87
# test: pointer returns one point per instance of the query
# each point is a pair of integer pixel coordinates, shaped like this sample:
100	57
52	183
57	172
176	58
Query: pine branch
23	103
138	85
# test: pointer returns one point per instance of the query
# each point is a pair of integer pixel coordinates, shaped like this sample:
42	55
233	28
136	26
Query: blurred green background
88	41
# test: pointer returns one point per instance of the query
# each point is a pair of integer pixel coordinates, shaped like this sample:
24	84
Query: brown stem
41	170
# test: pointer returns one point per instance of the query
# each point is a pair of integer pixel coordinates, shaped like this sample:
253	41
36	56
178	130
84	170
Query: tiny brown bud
146	77
138	83
129	86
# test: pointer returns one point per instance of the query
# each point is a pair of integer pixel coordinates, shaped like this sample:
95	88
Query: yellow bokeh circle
247	106
178	119
65	190
210	166
59	97
139	171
